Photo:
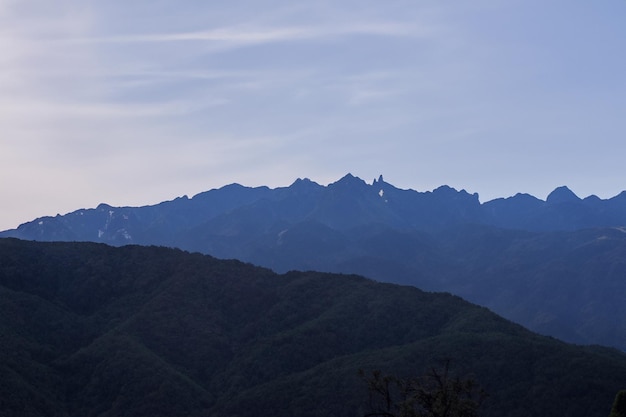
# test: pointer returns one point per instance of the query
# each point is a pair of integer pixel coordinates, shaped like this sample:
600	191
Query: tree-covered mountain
94	330
555	266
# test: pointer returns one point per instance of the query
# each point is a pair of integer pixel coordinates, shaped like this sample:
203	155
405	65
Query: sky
136	102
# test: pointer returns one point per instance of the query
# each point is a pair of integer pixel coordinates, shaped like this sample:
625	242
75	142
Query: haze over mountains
555	266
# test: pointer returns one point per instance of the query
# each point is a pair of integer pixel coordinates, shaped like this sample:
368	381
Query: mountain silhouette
555	266
94	330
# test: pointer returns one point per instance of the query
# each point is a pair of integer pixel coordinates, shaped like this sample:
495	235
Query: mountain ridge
532	261
443	206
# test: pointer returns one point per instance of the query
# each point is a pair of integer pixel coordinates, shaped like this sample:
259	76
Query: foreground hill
93	330
555	266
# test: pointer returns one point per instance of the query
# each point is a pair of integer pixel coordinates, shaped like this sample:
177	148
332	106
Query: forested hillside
93	330
554	266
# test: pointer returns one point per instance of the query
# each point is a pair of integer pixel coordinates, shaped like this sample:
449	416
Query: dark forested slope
92	330
555	266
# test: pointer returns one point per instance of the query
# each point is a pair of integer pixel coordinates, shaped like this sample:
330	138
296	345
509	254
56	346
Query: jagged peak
378	181
233	186
592	198
562	194
349	179
446	190
303	181
303	184
520	197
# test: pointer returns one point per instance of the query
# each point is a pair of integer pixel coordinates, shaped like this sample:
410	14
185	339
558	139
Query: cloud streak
249	36
126	94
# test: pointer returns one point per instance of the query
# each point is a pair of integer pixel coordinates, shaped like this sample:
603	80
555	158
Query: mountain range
93	330
556	266
345	204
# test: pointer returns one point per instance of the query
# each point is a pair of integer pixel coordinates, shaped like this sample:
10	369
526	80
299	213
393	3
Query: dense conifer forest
93	330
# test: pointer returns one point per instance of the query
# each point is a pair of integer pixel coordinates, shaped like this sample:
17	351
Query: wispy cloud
228	87
239	35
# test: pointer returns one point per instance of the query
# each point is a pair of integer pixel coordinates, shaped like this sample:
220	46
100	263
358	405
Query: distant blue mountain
345	204
556	266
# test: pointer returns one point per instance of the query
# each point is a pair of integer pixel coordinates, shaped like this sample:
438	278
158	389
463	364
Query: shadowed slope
93	330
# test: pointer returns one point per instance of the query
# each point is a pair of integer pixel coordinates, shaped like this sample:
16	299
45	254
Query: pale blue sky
136	102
